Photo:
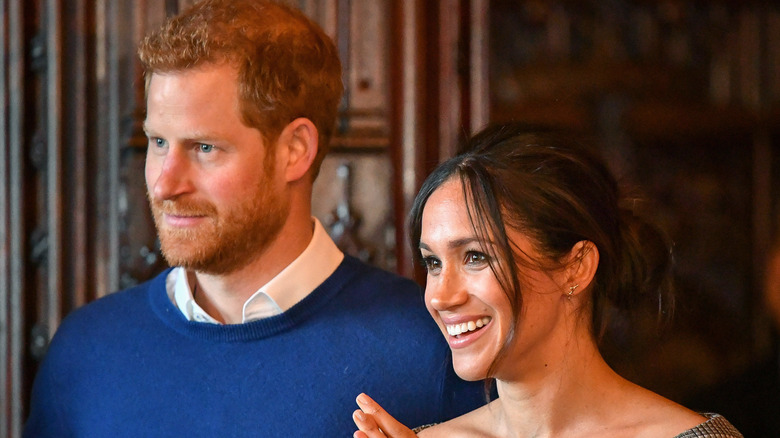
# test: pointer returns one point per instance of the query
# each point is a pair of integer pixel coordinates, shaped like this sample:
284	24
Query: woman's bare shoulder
474	424
653	415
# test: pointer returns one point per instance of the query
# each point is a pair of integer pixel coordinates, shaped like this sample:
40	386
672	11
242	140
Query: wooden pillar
439	94
12	256
408	136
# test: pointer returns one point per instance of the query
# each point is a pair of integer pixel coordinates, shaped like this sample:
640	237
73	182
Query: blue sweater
131	365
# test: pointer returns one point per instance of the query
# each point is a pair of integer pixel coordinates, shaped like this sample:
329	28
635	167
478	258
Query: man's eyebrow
198	135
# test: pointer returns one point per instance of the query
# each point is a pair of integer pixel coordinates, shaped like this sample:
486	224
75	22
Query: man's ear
582	266
297	147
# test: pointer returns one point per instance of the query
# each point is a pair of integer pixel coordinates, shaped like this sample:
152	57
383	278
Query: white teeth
456	329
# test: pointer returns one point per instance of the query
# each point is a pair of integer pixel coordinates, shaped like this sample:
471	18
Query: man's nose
169	176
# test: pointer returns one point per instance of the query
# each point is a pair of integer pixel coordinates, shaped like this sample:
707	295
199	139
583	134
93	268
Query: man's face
215	195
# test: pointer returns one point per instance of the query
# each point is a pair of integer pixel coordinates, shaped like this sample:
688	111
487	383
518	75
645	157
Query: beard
228	239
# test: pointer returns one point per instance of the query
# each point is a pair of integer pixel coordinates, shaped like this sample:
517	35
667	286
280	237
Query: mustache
187	207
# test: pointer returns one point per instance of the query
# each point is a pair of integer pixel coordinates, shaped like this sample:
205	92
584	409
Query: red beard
225	240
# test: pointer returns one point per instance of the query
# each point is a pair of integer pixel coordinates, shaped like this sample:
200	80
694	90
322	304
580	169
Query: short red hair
287	66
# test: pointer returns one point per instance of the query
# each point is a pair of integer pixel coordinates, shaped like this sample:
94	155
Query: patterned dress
716	426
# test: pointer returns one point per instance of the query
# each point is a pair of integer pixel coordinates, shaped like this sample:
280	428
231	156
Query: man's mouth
465	327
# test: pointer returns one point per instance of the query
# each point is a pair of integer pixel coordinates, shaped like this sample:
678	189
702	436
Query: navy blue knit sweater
130	365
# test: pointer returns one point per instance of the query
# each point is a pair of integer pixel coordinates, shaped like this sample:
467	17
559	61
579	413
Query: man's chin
182	261
201	260
188	254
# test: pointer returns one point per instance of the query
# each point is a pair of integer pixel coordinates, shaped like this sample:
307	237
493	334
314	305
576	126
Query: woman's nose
446	291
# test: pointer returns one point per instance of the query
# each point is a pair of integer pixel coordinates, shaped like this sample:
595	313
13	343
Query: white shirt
313	266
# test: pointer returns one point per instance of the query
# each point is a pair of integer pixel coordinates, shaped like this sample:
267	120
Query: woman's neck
560	396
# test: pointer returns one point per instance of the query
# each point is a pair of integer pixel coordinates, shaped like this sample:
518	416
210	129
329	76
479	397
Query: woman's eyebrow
458	243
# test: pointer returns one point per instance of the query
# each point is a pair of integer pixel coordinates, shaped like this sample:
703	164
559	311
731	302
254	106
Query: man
263	328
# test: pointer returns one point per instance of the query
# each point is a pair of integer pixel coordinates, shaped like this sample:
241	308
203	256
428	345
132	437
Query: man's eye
159	142
206	147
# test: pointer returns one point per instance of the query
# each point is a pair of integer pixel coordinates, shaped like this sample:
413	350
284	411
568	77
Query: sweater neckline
255	330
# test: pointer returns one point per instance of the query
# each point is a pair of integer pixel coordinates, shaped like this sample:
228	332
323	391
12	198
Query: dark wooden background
682	94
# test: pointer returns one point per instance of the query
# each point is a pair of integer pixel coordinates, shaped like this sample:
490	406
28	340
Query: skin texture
552	381
230	206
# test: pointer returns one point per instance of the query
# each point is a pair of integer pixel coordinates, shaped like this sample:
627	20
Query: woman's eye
475	258
206	147
432	264
158	142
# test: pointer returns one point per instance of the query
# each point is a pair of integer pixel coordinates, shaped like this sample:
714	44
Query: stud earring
571	290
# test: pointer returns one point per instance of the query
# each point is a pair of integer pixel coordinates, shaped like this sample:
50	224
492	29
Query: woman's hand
375	422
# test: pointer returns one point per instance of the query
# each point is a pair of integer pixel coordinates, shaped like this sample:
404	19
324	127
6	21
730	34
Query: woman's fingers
366	425
377	422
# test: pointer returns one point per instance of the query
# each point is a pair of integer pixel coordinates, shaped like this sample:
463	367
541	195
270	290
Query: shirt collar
315	264
312	267
183	298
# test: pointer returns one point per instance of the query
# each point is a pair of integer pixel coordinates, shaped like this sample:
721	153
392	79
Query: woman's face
465	299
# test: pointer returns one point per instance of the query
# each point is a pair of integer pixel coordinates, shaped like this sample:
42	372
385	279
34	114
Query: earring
571	290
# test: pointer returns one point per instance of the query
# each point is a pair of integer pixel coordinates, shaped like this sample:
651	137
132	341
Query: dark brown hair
287	66
558	193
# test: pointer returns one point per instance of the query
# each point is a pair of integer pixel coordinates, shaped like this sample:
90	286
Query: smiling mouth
465	327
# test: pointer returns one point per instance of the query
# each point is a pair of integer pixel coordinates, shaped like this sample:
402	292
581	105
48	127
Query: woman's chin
469	372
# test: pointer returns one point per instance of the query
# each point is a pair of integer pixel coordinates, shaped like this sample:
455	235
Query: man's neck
223	295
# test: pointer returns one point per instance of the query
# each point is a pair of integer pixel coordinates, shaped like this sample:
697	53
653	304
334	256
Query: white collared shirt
313	266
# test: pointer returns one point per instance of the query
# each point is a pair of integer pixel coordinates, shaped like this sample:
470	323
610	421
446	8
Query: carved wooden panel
361	32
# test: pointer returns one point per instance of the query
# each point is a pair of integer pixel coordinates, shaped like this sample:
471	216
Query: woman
527	244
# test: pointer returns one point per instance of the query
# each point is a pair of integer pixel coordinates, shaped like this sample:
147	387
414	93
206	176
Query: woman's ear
581	267
297	148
